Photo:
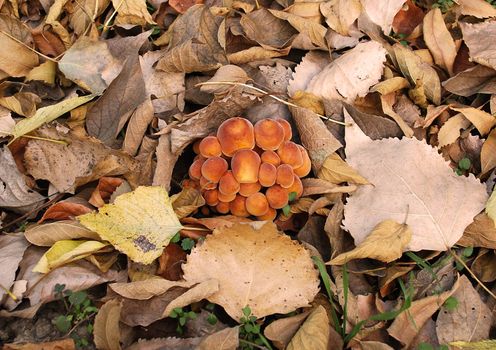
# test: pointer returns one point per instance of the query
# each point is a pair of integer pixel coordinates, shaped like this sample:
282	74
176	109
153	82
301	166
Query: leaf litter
388	243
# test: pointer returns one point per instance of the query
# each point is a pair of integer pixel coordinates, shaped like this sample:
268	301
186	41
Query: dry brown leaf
22	103
438	39
488	153
484	265
387	102
374	126
14	193
433	112
186	202
483	121
481	51
106	330
336	171
371	345
350	75
146	289
227	73
451	130
312	186
480	233
83	160
470	321
314	333
132	12
255	53
408	18
281	331
170	262
478	79
63	344
419	72
382	12
341	14
104	190
46	235
476	8
12	247
82	15
263	255
137	126
226	339
431	200
386	243
66	209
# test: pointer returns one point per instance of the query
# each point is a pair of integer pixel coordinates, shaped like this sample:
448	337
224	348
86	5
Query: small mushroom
290	154
270	157
238	207
288	134
228	184
194	171
222	207
235	134
296	187
213	168
211	197
285	175
303	170
207	185
226	197
269	134
267	174
210	147
270	215
257	204
249	189
277	196
245	164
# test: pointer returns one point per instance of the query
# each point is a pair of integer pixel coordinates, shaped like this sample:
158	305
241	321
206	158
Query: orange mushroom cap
238	206
269	134
210	147
189	183
235	134
267	174
211	197
249	189
194	170
257	204
222	207
270	157
290	154
277	196
207	185
288	133
213	168
196	147
245	164
228	184
269	216
304	170
226	197
285	175
296	187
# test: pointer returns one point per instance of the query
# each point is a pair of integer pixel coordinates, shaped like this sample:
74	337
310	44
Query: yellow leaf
483	121
308	100
386	243
139	223
66	251
47	114
336	171
314	333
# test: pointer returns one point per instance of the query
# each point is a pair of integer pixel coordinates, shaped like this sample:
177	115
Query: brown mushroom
269	134
257	204
226	197
210	147
194	171
288	133
196	147
228	184
248	189
238	206
222	207
270	157
245	164
211	197
304	170
269	216
213	168
277	196
207	185
290	154
296	187
267	174
285	175
189	183
235	134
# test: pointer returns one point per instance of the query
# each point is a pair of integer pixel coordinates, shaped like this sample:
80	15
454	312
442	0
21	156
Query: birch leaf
139	223
409	176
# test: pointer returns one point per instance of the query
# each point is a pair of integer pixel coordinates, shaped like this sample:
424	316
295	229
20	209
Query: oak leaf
260	262
139	223
409	179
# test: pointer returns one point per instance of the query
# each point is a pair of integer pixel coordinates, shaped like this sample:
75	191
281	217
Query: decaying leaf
139	223
386	242
66	344
186	202
341	14
146	289
260	262
478	79
314	333
46	235
480	233
478	345
106	331
66	209
431	199
132	12
311	64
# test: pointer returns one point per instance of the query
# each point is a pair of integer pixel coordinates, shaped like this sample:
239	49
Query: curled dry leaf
481	51
66	344
483	121
314	333
431	199
12	248
336	171
146	289
341	14
186	202
450	131
106	186
480	233
260	262
313	186
106	330
386	243
382	12
374	126
66	209
132	12
488	154
46	235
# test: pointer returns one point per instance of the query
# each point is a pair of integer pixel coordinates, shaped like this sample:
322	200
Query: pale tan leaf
481	51
438	39
382	12
488	153
478	345
419	72
352	74
254	273
451	130
146	289
386	243
375	126
226	339
227	73
202	290
255	53
22	103
438	204
46	235
12	247
314	333
476	8
45	72
132	12
480	233
313	186
66	344
7	123
137	126
341	14
82	17
281	331
106	330
483	121
336	171
470	321
373	345
311	64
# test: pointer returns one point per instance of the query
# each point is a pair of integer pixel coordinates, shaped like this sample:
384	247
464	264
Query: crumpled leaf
352	74
481	51
431	199
314	333
106	331
382	12
386	243
132	12
341	14
14	193
46	235
450	131
66	209
476	8
488	153
186	202
12	247
104	190
480	233
139	223
146	289
66	251
470	321
258	263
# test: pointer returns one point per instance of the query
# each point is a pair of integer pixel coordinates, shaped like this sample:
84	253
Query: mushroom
222	207
296	187
238	206
249	189
290	154
196	147
288	134
213	168
269	134
269	216
226	197
211	197
245	164
207	185
228	184
210	147
285	175
267	174
194	171
270	157
277	196
257	204
303	170
235	134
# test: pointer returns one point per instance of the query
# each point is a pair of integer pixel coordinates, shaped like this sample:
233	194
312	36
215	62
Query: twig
77	324
27	46
252	344
271	96
45	139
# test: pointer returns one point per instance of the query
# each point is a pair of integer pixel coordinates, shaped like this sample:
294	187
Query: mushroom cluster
250	169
